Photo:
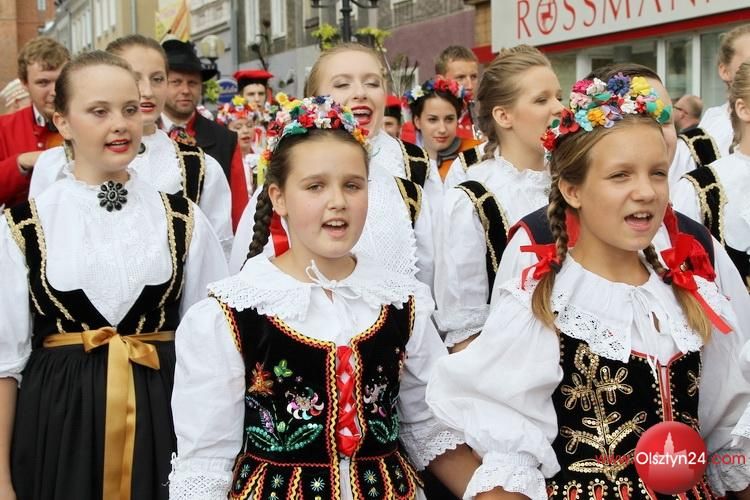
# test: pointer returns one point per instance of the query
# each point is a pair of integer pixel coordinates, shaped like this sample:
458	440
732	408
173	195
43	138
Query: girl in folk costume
435	107
239	116
600	341
716	194
398	232
168	166
518	98
107	265
310	366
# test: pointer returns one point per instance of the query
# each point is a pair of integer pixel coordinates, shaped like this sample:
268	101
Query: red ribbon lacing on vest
347	433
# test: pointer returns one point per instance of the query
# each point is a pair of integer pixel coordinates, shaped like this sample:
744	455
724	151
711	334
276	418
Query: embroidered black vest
192	162
291	410
411	193
416	162
494	222
712	199
702	146
603	406
469	157
55	311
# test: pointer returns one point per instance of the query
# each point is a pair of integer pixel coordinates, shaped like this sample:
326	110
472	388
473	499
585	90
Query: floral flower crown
237	109
594	103
296	116
434	85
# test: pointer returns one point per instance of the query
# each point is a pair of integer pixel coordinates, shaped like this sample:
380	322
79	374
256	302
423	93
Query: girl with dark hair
601	340
299	375
97	271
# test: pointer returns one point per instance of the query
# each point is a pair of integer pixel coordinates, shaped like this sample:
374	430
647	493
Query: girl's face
151	71
103	120
324	199
437	123
245	130
537	105
354	79
622	199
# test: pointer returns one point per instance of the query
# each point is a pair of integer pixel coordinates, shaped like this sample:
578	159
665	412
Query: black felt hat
181	56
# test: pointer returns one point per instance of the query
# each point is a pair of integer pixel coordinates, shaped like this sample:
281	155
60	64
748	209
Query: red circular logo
670	458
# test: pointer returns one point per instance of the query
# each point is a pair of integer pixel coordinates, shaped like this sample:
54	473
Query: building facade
678	38
213	17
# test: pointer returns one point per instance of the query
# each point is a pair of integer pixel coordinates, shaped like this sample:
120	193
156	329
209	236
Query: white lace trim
386	153
729	477
200	478
741	431
263	287
425	442
460	325
513	472
159	165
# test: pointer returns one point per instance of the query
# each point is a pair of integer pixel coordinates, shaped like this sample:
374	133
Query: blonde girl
97	271
518	98
277	393
600	340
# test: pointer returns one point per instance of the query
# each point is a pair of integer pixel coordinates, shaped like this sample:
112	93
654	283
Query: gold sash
119	428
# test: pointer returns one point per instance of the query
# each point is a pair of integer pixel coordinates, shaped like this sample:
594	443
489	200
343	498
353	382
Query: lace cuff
425	442
516	472
200	478
741	432
734	475
460	325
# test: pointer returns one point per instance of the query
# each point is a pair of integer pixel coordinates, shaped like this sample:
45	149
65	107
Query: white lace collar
262	286
87	189
605	314
385	153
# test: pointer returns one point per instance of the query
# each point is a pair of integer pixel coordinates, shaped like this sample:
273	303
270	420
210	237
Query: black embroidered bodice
603	406
192	163
292	407
55	311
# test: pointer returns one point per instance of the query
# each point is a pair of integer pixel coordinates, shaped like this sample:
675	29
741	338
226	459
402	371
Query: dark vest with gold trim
701	145
192	164
711	199
55	311
603	407
416	162
291	410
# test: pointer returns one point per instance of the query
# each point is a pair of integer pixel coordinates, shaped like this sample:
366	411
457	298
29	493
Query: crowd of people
313	297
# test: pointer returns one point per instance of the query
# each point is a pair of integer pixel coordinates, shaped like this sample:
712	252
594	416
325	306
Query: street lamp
346	13
212	47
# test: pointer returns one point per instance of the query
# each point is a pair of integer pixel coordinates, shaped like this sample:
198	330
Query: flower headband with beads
237	109
434	85
594	103
298	116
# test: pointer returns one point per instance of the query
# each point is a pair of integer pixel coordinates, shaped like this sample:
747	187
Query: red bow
676	259
548	261
698	258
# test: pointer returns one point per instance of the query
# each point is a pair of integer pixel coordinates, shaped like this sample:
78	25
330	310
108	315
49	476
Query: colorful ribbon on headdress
548	261
676	259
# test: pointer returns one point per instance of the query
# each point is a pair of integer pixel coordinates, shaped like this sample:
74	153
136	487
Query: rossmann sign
542	22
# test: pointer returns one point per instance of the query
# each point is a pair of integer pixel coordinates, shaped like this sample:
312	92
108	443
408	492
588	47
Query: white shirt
208	398
718	124
111	256
498	390
159	166
461	283
682	163
387	237
733	173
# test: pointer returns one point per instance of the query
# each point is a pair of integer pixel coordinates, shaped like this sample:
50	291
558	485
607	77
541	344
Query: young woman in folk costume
436	106
168	166
600	340
716	194
299	375
518	98
398	232
97	271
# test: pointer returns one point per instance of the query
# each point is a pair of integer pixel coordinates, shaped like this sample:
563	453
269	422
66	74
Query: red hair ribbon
698	257
548	261
676	259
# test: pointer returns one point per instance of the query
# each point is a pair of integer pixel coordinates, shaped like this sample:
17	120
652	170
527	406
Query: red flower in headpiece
549	139
568	123
306	120
275	128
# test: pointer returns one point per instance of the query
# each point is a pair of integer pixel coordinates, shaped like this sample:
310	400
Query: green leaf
281	369
304	435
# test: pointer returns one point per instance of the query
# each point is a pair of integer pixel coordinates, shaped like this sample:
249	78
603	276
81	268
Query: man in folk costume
29	131
183	124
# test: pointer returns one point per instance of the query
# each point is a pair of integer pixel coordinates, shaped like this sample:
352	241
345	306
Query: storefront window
640	52
679	67
713	89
